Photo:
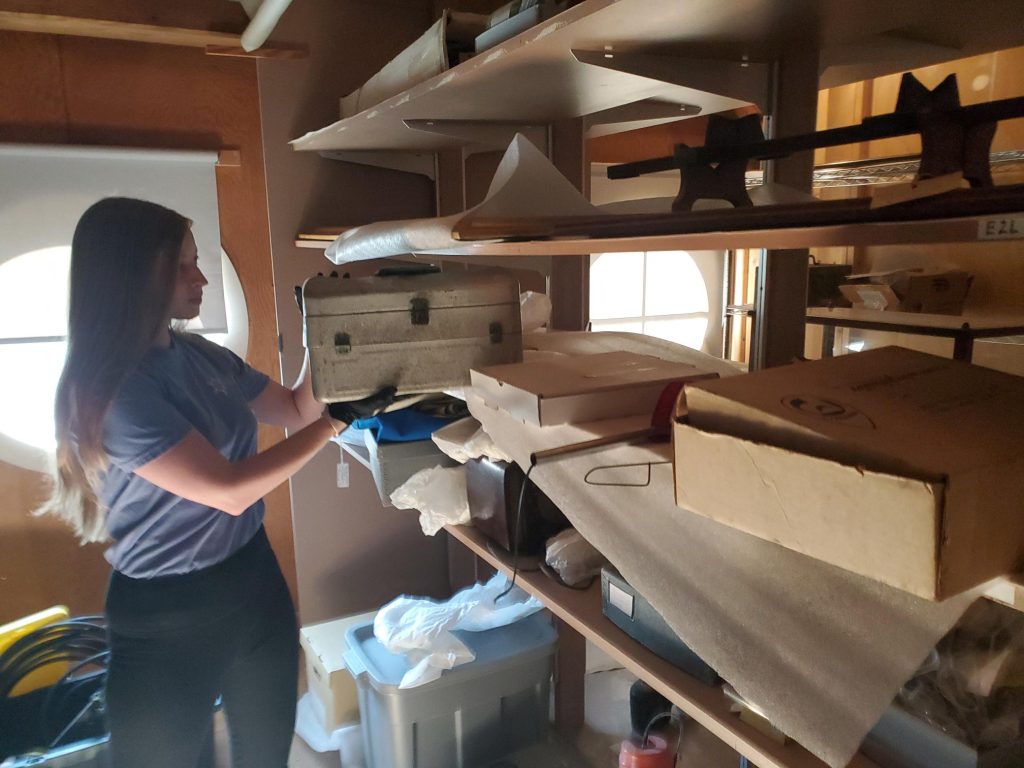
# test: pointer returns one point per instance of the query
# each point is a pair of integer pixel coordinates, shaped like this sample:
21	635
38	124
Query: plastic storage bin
472	715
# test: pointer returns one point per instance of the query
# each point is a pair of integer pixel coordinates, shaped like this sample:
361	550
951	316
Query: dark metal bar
870	129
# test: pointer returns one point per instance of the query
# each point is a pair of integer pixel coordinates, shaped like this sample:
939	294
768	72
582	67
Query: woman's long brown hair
124	261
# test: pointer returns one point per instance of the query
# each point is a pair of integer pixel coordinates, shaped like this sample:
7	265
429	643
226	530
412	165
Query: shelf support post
569	284
570	679
780	303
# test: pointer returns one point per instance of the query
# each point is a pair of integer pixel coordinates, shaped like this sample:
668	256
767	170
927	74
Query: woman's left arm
292	408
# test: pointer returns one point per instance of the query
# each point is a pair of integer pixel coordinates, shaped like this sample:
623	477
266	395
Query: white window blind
45	189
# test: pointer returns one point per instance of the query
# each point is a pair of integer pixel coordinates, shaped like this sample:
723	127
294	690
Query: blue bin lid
491	647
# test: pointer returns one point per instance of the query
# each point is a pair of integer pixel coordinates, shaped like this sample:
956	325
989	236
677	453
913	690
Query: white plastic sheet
534	311
525	184
346	740
439	493
422	628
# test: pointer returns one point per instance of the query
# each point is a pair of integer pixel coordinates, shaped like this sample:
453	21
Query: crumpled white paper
465	439
422	628
534	311
439	494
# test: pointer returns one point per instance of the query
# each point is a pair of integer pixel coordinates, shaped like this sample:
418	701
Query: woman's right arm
195	470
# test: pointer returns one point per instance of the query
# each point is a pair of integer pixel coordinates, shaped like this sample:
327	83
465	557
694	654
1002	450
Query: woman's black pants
180	642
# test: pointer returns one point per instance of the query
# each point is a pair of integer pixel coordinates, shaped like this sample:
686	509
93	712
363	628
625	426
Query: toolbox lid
351	295
531	636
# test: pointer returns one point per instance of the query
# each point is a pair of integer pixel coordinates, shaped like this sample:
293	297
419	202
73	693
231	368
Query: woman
156	450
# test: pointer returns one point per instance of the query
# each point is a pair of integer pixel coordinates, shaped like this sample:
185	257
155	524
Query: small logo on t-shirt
219	386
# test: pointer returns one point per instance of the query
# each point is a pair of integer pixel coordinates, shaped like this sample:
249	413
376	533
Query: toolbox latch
342	343
420	309
496	333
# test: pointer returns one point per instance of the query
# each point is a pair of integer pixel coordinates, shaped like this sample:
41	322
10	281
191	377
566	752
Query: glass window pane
616	285
26	408
675	285
34	294
627	326
688	331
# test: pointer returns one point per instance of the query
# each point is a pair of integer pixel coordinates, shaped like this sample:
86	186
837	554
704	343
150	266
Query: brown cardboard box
580	388
894	464
909	290
328	679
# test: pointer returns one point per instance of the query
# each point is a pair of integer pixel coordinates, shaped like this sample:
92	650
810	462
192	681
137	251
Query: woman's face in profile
188	288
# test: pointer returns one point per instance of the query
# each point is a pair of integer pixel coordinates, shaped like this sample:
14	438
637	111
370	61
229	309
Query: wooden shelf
948	326
706	704
661	54
959	229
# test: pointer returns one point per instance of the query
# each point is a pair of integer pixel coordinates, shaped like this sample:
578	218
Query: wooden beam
218	43
229	158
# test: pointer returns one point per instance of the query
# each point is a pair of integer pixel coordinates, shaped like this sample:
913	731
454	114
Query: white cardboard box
894	464
393	463
580	388
326	675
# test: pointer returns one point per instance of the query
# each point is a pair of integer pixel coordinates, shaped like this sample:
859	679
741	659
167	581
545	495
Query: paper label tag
620	599
1001	228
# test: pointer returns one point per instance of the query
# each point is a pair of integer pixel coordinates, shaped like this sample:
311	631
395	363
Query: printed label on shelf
1001	228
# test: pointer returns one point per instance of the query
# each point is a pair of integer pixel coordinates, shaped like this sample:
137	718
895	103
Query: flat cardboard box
897	465
333	688
580	388
909	290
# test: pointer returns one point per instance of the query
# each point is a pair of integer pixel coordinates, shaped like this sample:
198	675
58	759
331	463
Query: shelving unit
960	229
962	329
615	62
614	65
704	703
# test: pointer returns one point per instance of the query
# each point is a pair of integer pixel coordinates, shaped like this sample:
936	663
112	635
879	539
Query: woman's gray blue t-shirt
192	384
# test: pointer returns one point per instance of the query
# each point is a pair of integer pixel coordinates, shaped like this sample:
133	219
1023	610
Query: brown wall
353	554
81	91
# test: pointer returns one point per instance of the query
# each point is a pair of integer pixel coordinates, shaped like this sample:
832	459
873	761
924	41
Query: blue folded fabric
402	426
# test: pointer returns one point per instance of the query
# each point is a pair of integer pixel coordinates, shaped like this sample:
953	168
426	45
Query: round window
33	331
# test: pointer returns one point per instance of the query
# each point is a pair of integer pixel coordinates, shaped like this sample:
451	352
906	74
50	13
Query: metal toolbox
420	333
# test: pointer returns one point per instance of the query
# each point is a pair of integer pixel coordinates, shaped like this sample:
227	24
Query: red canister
655	755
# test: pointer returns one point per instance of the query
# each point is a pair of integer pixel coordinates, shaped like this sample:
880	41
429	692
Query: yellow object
17	629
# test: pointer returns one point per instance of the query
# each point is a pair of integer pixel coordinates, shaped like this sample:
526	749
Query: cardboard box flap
888	409
574	389
581	374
